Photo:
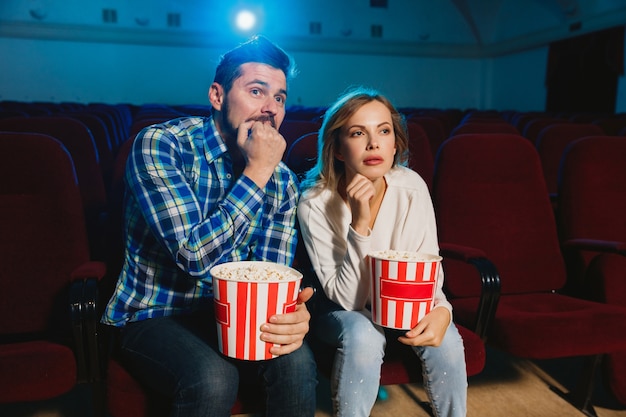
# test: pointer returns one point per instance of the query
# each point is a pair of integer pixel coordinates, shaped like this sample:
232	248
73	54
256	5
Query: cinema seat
302	154
550	144
484	127
294	129
592	203
420	154
45	271
489	194
80	144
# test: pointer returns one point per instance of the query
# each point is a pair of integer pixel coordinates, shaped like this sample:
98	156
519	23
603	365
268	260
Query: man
202	191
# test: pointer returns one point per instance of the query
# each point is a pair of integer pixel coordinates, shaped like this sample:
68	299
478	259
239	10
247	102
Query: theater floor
508	387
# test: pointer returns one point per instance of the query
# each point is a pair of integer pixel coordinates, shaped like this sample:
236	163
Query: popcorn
246	295
404	256
253	271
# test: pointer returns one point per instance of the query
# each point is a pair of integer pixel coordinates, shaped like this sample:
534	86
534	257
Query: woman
359	198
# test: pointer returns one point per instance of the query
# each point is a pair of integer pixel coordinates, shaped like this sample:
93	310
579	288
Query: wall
55	70
517	82
70	55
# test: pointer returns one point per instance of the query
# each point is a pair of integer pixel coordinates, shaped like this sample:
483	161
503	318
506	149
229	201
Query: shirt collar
215	146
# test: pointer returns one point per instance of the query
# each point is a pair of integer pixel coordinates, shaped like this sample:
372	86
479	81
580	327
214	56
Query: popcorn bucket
246	294
403	287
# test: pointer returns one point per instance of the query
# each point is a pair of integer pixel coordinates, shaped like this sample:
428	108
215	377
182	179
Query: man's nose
270	106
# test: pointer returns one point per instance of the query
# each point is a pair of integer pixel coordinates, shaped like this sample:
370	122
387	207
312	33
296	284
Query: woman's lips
373	161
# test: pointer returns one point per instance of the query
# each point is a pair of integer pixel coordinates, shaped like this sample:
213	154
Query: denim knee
355	333
290	384
205	395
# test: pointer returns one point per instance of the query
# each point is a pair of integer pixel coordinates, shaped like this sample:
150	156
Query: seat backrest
292	130
482	116
536	125
592	189
552	141
117	117
484	127
434	128
611	125
520	120
420	156
43	234
77	139
116	199
102	139
139	124
489	194
302	154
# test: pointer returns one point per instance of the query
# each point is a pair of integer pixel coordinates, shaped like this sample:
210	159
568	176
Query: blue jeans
360	348
178	358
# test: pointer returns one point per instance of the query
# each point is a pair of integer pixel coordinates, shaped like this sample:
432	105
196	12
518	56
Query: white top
405	222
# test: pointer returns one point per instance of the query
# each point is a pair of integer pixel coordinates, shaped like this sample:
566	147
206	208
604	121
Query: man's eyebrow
266	85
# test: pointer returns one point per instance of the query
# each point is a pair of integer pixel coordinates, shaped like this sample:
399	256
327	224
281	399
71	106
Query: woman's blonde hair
328	170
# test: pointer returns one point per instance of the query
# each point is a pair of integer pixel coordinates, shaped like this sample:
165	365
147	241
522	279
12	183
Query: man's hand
262	148
288	330
430	330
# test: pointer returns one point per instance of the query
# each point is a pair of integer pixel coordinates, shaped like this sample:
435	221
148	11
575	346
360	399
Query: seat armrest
490	282
84	311
91	269
595	245
460	252
76	318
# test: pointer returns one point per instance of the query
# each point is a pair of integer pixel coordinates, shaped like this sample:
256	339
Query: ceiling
439	28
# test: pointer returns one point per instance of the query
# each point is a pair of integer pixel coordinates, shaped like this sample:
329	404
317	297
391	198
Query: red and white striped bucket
403	287
246	295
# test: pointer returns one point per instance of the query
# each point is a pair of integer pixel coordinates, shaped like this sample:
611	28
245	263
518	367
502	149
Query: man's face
258	94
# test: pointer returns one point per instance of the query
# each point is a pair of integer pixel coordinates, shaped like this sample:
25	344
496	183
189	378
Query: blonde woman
360	198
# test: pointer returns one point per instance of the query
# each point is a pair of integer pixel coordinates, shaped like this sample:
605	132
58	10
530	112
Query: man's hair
258	49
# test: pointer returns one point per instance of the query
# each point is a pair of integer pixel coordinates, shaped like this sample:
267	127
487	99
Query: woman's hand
430	330
359	193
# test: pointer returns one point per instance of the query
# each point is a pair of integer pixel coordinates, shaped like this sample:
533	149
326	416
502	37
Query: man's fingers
305	295
243	132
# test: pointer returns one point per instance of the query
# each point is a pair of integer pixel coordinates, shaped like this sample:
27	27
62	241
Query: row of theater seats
577	250
57	163
503	249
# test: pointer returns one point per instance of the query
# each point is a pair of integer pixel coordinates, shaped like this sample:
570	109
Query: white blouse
405	222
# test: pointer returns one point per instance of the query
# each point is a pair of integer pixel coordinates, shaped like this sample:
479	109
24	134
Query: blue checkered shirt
185	212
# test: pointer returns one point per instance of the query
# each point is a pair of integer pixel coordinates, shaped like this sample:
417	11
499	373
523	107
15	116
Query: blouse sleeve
337	256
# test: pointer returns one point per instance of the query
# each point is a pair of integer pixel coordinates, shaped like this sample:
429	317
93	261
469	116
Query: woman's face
367	142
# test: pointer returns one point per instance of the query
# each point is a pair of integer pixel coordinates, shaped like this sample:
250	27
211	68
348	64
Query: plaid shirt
185	212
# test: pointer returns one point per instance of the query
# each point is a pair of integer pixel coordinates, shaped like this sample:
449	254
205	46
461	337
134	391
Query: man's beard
229	130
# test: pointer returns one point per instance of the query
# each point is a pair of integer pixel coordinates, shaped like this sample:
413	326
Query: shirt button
228	176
